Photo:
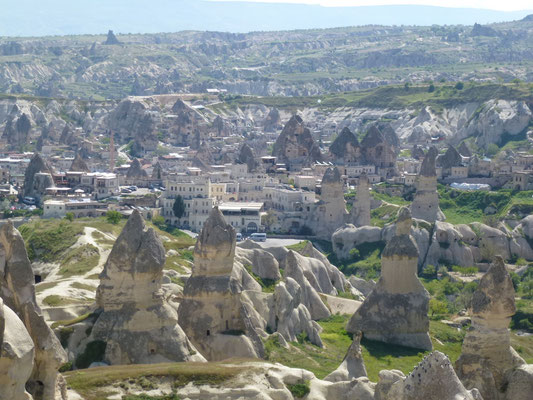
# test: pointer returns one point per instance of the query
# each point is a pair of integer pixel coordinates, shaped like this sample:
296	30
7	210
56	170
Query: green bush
113	217
69	216
299	390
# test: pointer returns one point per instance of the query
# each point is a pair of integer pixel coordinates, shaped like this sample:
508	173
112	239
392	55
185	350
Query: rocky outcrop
111	38
16	356
292	315
212	312
157	172
417	153
378	148
247	156
190	128
79	164
396	310
136	170
272	121
295	144
349	237
464	150
352	366
450	159
31	184
131	119
360	213
432	379
426	201
487	356
17	287
345	147
330	212
313	279
16	132
447	243
136	322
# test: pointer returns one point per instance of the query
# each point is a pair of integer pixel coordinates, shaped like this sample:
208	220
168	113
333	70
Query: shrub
437	307
159	221
69	216
459	85
430	271
431	88
113	217
299	390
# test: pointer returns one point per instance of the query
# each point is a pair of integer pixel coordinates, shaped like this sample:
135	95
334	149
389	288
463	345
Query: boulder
79	164
136	170
348	237
136	322
32	186
362	285
396	310
247	156
447	244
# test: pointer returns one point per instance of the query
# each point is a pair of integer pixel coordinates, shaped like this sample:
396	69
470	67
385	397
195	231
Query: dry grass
91	383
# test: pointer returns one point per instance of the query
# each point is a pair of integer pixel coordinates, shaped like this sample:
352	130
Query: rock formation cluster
396	310
137	323
295	144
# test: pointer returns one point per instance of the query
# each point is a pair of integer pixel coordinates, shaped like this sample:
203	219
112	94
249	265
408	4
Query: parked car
239	237
125	190
29	201
133	188
258	237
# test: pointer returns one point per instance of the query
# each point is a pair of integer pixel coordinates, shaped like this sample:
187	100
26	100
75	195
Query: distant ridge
67	17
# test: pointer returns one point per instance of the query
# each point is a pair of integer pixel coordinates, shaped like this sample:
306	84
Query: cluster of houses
285	192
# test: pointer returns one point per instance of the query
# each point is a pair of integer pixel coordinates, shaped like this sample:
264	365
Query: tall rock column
487	355
396	310
136	322
17	289
212	313
426	202
360	213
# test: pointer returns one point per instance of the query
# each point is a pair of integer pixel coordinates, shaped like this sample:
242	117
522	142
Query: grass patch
41	287
89	382
83	286
47	240
297	247
55	300
384	214
79	260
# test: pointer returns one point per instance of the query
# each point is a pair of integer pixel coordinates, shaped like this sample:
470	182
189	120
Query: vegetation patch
83	286
79	260
88	383
55	300
47	240
299	390
267	285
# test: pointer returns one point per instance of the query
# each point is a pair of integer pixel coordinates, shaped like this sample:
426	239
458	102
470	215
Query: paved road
274	242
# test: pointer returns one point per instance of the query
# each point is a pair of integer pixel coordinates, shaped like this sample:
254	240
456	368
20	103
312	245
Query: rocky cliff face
426	201
17	289
32	185
295	144
137	323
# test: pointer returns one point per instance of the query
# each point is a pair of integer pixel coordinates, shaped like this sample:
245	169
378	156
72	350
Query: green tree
69	216
459	85
431	88
113	217
179	207
492	150
159	221
437	307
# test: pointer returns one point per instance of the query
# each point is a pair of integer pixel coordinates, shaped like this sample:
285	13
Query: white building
245	217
